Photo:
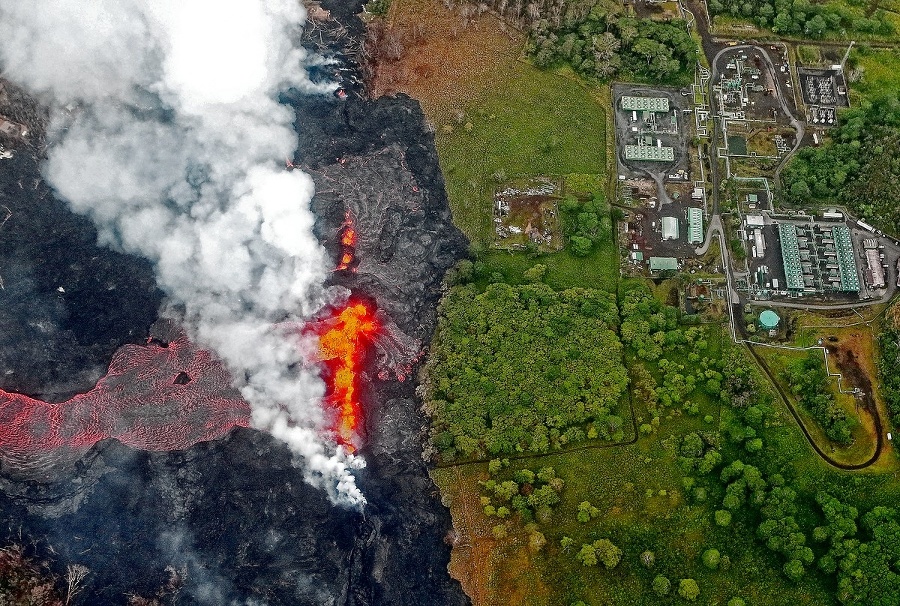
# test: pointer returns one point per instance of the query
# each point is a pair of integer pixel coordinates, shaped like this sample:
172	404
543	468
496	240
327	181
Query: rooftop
653	104
669	228
790	256
649	152
663	263
695	225
846	262
769	319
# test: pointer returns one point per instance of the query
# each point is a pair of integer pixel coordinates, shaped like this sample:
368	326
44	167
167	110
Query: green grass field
532	123
880	72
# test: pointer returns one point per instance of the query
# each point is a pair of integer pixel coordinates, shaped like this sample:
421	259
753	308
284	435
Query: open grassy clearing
880	72
447	57
535	123
498	118
564	269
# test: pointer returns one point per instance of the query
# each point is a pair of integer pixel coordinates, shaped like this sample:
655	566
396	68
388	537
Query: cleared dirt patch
526	212
491	571
443	57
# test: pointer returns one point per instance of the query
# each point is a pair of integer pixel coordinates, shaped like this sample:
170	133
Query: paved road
715	226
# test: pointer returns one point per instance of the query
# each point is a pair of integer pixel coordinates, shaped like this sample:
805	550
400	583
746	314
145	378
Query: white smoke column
173	143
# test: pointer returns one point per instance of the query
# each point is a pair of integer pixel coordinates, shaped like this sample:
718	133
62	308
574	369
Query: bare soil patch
444	57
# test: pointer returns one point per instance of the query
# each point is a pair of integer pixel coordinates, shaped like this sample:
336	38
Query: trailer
865	225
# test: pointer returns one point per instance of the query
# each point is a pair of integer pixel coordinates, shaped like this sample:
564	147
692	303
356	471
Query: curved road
879	428
796	124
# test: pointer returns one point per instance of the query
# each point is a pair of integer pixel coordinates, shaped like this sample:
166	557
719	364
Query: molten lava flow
348	243
342	343
153	397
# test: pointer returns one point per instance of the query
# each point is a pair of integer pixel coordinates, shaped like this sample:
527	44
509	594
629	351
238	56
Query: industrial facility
818	258
647	125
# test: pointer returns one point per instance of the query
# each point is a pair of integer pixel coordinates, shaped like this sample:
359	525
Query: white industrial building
669	228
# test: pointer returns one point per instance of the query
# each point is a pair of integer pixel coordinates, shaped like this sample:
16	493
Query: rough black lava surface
233	518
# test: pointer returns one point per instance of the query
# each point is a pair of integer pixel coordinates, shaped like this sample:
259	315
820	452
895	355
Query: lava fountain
343	340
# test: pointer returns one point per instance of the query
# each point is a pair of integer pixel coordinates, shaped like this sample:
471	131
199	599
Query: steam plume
165	131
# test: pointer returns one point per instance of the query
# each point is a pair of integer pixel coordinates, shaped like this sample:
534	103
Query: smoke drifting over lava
166	132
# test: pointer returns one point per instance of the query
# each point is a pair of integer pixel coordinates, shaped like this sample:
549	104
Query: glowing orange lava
348	243
342	345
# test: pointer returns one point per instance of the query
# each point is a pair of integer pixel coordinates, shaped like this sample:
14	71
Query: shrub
661	585
711	558
688	589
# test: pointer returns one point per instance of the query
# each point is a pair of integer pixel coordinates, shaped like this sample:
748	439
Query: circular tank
769	319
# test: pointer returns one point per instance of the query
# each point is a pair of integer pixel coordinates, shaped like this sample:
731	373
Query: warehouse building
669	228
849	277
663	264
651	153
875	268
695	225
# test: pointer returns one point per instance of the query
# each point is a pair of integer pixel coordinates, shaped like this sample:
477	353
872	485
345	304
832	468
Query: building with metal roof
653	104
650	152
790	256
846	261
695	225
663	263
875	268
669	228
755	221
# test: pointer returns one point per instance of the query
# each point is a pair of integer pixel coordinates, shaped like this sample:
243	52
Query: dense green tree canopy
802	17
857	168
604	44
523	368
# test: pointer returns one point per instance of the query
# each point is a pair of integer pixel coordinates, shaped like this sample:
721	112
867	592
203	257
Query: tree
688	589
711	558
736	601
506	490
783	23
648	558
723	517
535	274
794	570
816	26
75	575
580	246
661	585
754	445
566	543
587	555
608	553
